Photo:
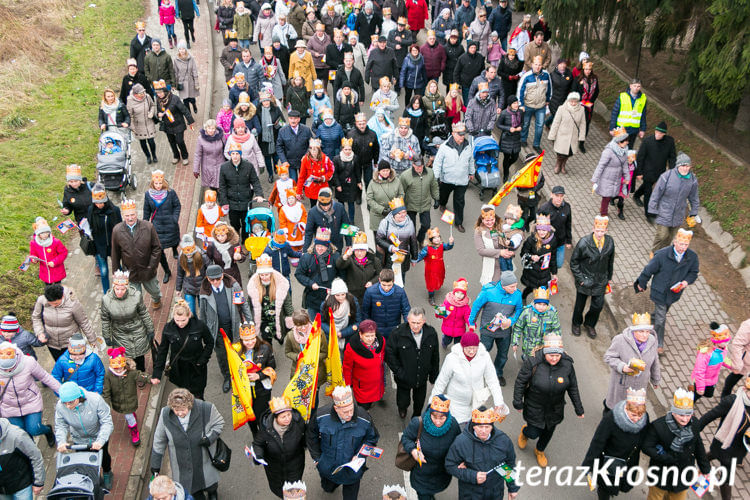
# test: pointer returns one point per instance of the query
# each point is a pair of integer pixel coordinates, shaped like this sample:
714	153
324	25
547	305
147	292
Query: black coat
412	366
533	275
431	477
121	116
666	271
316	219
540	392
128	82
657	443
367	29
309	272
189	369
654	157
366	147
452	53
291	147
406	39
138	51
238	185
186	8
78	200
380	63
561	219
180	113
591	268
165	218
285	457
357	275
468	67
102	222
507	69
418	124
334	56
355	79
501	20
343	112
737	448
298	99
561	87
510	142
346	175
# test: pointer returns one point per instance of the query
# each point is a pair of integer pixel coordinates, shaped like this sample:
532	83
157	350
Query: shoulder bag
223	456
404	460
168	366
87	244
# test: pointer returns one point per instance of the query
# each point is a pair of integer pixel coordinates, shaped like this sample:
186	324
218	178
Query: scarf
300	339
322	260
223	249
362	262
347	157
111	111
429	426
241	139
267	129
281	429
213	138
488	263
455	302
389	292
415	112
341	316
728	429
623	421
589	87
158	196
515	118
164	101
684	177
682	435
616	149
548	238
43	243
184	421
119	373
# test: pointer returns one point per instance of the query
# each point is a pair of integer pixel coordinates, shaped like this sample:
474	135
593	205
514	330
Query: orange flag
242	395
524	178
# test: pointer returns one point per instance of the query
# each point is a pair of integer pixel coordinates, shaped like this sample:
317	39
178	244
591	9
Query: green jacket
532	326
121	393
243	25
159	67
419	190
126	322
379	193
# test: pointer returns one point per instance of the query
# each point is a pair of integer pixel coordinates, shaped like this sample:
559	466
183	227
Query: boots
171	45
174	38
135	436
522	439
50	436
541	458
558	165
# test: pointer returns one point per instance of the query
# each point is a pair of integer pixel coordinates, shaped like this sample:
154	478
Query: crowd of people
404	162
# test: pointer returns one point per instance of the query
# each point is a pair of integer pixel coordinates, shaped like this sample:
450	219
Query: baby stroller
437	126
78	475
258	240
113	164
485	158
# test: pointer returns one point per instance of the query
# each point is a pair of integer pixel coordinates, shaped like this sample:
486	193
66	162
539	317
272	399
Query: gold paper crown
636	396
234	147
209	196
488	209
121	278
73	169
683	236
360	238
353	33
453	86
433	232
404	121
386	11
541	293
318	85
542	219
342	396
296	74
641	319
231	34
244	98
247	331
337	31
619	131
401	20
323	233
159	84
440	405
314	143
98	196
683	400
277	405
157	175
552	340
384	80
483	86
513	212
360	116
221	227
396	203
239	77
461	284
295	490
320	27
127	205
264	263
487	416
347	143
430	33
601	222
140	25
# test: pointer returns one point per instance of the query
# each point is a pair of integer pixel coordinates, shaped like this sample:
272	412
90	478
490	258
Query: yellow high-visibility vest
630	116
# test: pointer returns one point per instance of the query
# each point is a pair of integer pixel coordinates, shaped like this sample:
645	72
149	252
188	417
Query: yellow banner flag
242	396
334	370
524	178
303	386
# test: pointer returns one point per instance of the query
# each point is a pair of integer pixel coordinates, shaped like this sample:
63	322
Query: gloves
436	204
196	174
204	442
385	211
635	287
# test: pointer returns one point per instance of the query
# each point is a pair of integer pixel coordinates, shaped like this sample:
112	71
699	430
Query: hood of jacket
458	351
391	177
218	135
339	95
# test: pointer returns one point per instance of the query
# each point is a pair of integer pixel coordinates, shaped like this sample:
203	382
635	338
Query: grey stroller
78	475
113	164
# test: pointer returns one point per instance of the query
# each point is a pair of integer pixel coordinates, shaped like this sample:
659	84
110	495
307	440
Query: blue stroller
485	158
258	240
113	161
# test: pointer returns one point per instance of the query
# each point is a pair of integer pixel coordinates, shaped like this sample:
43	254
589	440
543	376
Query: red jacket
363	369
416	14
56	253
319	168
434	59
454	325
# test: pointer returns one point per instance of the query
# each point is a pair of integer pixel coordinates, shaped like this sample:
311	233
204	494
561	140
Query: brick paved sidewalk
688	319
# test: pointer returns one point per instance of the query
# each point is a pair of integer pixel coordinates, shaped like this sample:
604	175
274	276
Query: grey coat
61	322
12	439
479	117
126	322
190	463
141	116
209	315
90	422
670	196
186	74
610	171
379	193
620	352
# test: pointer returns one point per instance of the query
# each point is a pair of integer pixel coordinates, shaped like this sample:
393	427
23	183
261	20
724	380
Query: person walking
292	143
738	358
611	170
561	218
364	364
22	475
57	316
385	303
534	94
655	155
568	130
186	76
140	45
587	85
420	192
161	207
510	124
103	216
317	270
454	169
209	156
385	186
629	111
142	110
239	185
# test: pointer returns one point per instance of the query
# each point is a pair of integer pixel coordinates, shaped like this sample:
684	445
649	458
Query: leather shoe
227	386
167	276
401	413
460	228
502	381
576	330
638	202
590	332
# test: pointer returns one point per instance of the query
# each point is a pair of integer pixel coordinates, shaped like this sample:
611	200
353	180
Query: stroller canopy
485	144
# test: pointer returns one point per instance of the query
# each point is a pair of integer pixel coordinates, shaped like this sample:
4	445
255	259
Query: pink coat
56	253
707	367
458	319
166	14
739	347
23	396
224	120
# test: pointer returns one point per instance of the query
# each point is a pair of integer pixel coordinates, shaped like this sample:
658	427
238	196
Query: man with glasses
140	44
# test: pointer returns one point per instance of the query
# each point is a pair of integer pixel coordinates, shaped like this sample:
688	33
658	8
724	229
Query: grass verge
58	126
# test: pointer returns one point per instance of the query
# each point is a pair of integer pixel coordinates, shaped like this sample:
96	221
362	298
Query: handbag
87	244
222	458
404	460
168	366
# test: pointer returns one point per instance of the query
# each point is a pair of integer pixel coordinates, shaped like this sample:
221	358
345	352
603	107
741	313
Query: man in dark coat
21	463
381	62
136	248
385	303
465	14
655	155
435	57
413	356
329	214
561	79
238	186
501	20
497	93
453	50
398	8
561	218
347	72
475	454
368	23
673	268
366	146
230	55
317	269
592	265
253	71
157	64
468	67
336	51
140	45
399	41
292	143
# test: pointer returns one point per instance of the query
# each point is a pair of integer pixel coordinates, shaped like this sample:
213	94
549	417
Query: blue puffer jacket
385	310
166	217
90	375
330	138
494	299
413	74
332	442
280	256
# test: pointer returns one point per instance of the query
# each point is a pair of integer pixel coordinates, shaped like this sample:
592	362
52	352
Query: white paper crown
395	488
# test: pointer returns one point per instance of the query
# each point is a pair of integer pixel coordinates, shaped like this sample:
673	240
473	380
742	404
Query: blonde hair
182	308
104	95
209	123
180	398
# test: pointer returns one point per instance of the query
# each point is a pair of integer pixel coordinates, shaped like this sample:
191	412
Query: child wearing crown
281	252
537	256
293	218
434	267
708	361
455	313
49	252
512	234
121	389
280	187
209	214
535	321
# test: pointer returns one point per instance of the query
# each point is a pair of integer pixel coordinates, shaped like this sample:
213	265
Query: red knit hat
469	339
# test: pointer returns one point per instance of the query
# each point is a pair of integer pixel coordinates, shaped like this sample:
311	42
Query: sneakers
135	436
522	439
107	480
175	160
541	458
185	161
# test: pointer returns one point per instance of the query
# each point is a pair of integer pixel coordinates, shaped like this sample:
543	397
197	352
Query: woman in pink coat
709	360
457	311
21	401
416	13
48	251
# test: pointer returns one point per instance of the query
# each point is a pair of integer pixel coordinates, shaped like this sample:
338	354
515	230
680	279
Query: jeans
294	171
505	264
424	223
465	93
538	114
404	395
190	299
349	491
244	44
504	42
170	30
151	286
177	144
560	256
31	423
101	262
501	357
592	317
544	435
24	494
459	193
660	319
270	162
350	211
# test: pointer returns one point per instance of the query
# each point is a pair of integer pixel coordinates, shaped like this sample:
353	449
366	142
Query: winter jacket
330	138
139	50
540	390
480	32
407	235
159	67
23	396
126	322
367	28
561	219
533	275
497	93
454	325
332	442
442	27
240	313
346	175
297	18
189	281
432	103
335	55
353	320
180	112
622	349
413	75
322	168
409	145
344	111
657	445
121	116
167	14
739	361
562	85
708	364
568	128
282	304
380	63
379	193
186	75
480	456
253	72
229	57
592	268
309	272
737	447
535	89
291	147
610	171
317	46
420	190
357	275
59	323
25	340
103	222
138	253
366	147
480	116
90	422
356	82
460	380
510	74
531	50
215	255
284	456
298	99
238	185
468	67
453	163
189	460
464	17
431	477
317	218
165	217
452	52
208	157
413	365
121	392
531	327
404	39
416	14
142	116
364	369
510	142
77	201
493	299
89	374
243	25
187	370
256	128
670	197
264	30
666	271
55	254
501	20
331	23
21	462
654	157
386	310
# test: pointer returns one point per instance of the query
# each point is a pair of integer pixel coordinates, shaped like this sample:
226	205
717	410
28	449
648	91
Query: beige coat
61	322
568	128
740	347
141	117
532	50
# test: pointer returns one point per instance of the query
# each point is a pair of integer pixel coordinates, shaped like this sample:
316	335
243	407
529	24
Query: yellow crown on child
683	236
601	222
396	203
553	341
121	277
159	85
264	263
683	400
247	331
720	333
157	175
347	143
127	205
441	405
277	405
487	416
453	86
637	397
541	293
359	241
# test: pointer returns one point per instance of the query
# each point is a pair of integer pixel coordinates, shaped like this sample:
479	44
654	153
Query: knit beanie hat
682	159
9	323
70	391
469	339
508	278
